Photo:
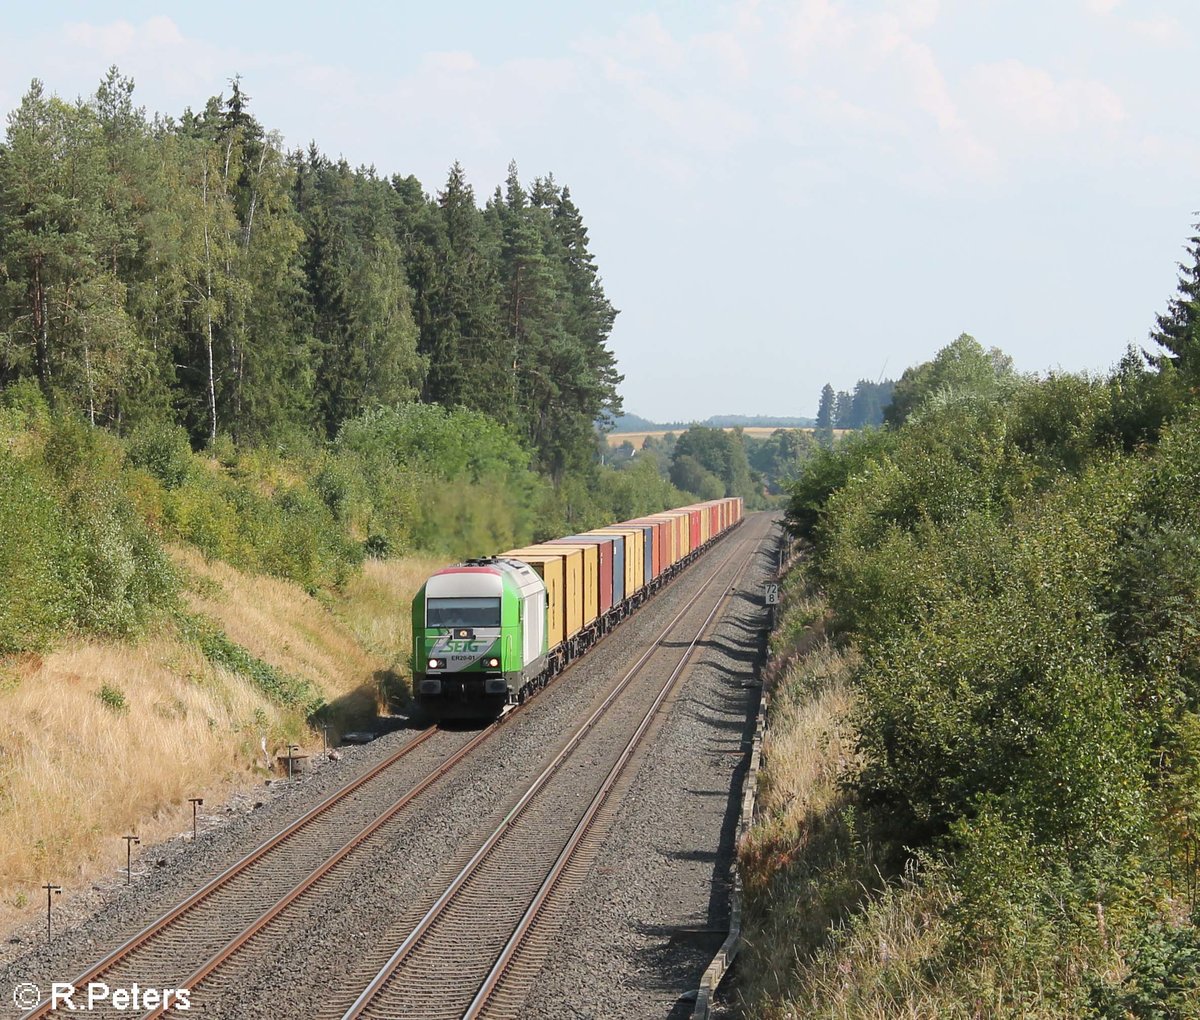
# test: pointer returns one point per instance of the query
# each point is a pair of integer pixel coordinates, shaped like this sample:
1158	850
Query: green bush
40	572
280	687
164	451
113	698
1021	575
74	551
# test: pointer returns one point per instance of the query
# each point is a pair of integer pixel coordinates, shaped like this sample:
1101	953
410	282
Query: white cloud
183	70
452	61
916	14
1031	100
1160	30
829	80
871	63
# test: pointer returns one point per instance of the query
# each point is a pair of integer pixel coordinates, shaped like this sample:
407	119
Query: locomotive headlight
493	663
435	663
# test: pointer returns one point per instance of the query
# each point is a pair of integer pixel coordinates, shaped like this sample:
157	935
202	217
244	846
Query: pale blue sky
778	194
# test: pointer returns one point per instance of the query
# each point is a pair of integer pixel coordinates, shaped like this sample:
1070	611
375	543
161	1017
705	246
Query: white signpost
772	594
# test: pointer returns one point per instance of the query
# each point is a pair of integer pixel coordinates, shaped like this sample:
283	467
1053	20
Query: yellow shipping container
591	575
678	527
550	570
568	598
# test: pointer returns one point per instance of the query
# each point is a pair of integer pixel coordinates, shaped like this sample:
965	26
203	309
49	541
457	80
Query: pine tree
825	413
843	410
1178	329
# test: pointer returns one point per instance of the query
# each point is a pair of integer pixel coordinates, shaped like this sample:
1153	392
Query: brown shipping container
669	536
669	540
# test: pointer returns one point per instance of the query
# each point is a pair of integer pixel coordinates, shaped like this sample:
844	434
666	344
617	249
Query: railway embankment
107	737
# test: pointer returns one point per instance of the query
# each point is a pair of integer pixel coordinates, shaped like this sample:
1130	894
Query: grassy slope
101	738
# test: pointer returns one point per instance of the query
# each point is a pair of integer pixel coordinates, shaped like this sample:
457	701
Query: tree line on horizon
861	409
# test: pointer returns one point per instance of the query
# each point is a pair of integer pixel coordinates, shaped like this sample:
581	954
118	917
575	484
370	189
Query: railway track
474	950
239	901
186	946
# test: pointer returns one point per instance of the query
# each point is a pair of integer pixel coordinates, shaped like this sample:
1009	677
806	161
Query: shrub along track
230	917
474	950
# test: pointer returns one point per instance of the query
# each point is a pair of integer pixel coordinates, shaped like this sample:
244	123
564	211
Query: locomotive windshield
462	612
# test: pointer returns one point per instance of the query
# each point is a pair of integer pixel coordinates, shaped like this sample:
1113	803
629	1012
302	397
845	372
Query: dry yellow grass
78	772
794	860
810	744
280	623
377	605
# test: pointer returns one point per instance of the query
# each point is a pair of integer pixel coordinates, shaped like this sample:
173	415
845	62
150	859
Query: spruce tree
1178	328
825	414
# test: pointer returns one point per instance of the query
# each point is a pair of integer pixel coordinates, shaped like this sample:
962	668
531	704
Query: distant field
637	438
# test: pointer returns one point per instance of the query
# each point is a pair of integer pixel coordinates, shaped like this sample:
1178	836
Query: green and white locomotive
479	637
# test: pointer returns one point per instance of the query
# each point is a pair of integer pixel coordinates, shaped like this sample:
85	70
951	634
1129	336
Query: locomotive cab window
462	613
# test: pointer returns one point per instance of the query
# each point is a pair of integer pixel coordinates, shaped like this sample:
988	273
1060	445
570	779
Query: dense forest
1009	572
864	408
193	271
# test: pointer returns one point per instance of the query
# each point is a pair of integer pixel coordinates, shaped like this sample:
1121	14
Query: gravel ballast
638	934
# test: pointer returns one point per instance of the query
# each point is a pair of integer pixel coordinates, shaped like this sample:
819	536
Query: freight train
490	632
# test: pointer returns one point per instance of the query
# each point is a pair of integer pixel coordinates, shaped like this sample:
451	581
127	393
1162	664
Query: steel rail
532	913
393	963
158	925
236	943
